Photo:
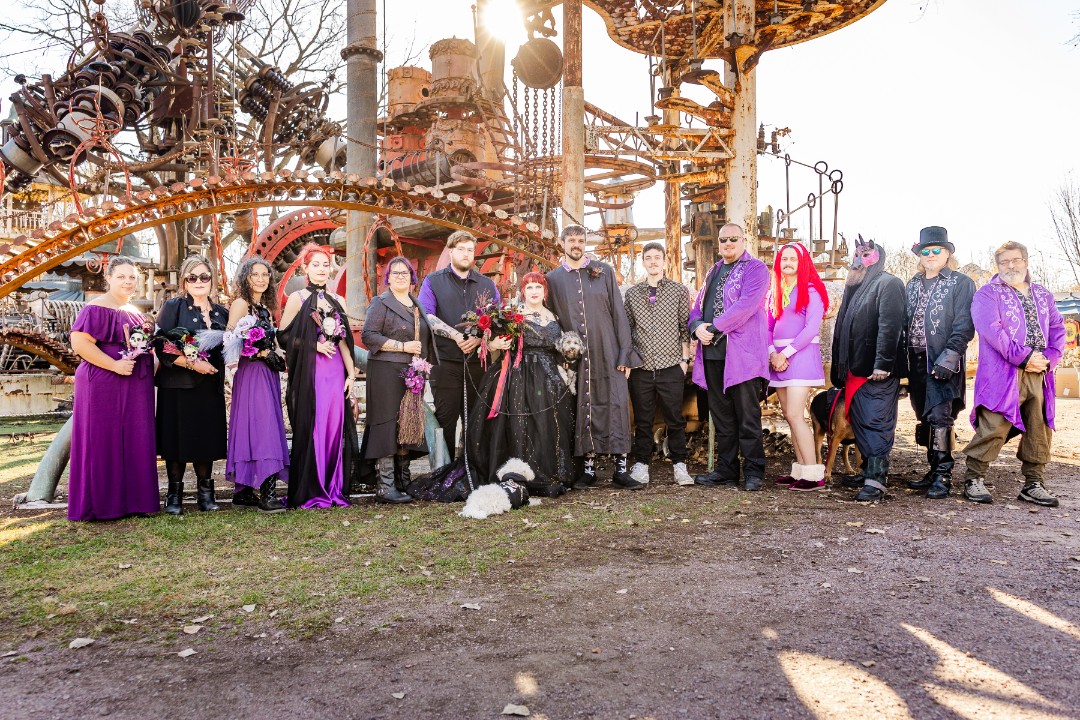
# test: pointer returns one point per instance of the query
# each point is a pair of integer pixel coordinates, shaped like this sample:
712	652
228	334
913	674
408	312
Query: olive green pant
993	430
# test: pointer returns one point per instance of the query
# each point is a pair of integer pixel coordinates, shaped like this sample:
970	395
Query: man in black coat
938	328
868	361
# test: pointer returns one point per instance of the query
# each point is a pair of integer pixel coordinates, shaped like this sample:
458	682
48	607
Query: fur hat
507	494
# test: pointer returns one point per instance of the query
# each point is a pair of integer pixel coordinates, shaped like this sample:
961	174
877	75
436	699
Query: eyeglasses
927	252
1009	263
727	240
400	273
200	278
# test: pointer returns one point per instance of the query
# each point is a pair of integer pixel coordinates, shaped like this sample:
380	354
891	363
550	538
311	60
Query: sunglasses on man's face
200	278
927	252
726	240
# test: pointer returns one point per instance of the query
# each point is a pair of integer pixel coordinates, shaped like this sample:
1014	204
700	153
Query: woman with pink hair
797	305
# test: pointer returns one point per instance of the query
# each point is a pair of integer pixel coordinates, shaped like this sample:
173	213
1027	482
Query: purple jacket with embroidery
744	321
999	321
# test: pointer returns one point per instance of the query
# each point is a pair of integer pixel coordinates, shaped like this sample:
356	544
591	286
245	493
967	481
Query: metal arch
26	257
41	345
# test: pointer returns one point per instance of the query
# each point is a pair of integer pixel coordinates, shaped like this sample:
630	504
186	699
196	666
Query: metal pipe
573	119
362	82
51	467
741	200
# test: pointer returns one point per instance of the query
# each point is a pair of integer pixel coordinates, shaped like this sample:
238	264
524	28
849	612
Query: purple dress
330	409
796	335
257	445
113	457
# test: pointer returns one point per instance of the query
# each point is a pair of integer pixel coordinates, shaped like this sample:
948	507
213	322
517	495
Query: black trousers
939	415
873	417
736	417
649	388
448	380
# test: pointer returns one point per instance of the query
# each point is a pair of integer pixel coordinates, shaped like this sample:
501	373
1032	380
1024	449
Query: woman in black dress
190	424
395	331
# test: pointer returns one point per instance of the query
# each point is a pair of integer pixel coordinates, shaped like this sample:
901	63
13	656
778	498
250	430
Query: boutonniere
595	270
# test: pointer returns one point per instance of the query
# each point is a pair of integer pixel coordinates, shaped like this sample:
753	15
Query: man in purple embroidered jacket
1021	341
732	359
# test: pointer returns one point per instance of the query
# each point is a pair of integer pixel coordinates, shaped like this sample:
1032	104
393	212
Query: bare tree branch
1065	217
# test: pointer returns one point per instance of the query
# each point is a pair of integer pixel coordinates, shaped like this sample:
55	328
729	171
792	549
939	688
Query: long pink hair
807	276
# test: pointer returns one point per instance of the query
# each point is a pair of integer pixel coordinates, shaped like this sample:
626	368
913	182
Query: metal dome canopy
636	24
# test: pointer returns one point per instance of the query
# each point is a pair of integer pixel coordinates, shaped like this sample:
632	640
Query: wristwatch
685	360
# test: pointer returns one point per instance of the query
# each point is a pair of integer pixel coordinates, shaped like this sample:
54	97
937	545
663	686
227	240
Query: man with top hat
732	361
868	362
1021	341
939	328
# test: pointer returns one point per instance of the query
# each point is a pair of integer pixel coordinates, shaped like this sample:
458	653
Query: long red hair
807	277
532	277
310	249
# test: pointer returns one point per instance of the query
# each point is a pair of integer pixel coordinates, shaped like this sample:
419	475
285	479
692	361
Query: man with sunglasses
939	328
732	358
1021	341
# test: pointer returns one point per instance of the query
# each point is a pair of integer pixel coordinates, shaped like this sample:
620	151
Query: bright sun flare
503	19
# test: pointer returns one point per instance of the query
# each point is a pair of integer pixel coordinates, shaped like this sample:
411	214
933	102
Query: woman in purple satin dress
113	460
319	353
258	452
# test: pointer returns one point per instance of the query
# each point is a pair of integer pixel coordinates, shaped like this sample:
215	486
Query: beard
463	266
575	253
855	276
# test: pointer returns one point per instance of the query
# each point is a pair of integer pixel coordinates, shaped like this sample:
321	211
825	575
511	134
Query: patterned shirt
658	322
1035	339
917	331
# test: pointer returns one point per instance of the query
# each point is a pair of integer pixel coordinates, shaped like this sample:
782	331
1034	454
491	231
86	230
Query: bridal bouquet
490	320
251	338
181	341
139	338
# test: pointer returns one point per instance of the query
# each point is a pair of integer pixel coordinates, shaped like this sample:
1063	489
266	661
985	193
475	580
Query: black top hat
933	235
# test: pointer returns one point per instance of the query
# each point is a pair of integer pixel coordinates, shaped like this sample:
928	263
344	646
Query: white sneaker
640	473
682	477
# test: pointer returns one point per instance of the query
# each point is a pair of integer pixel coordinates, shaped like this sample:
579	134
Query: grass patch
148	577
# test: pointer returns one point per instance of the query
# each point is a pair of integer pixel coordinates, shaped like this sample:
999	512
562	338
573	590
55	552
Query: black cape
299	339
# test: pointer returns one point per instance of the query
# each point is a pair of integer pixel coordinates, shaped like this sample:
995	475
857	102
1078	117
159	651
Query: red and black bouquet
490	320
181	341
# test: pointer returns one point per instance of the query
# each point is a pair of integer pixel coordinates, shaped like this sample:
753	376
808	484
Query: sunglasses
728	240
200	278
927	252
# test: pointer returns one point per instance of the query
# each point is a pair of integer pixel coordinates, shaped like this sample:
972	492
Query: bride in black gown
535	419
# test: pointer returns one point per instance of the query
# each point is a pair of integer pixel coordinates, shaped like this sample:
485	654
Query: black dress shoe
852	481
751	484
584	481
623	480
714	479
939	489
922	483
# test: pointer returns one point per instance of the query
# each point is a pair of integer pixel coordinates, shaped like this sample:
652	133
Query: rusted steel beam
573	121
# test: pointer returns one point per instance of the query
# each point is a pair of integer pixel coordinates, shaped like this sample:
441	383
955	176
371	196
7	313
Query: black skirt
191	423
385	388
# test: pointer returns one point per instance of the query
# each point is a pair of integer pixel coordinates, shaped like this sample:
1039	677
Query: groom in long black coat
585	297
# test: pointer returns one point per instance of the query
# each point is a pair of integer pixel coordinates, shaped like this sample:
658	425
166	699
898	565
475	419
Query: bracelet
685	360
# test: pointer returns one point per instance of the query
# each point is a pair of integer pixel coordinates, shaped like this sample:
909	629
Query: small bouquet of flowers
181	341
139	338
489	320
411	413
251	338
331	328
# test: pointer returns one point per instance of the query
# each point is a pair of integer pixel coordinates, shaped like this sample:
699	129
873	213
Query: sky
958	113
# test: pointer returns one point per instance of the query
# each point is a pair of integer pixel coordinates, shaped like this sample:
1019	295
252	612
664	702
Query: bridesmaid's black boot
268	501
174	498
386	492
204	494
402	473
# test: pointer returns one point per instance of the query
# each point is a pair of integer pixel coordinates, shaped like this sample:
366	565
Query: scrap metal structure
175	128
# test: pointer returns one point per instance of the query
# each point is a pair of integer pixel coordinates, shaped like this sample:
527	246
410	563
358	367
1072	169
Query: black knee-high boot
174	496
941	446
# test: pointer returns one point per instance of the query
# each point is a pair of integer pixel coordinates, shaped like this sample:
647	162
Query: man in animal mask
868	361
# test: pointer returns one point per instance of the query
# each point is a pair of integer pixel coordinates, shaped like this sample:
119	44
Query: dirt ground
798	605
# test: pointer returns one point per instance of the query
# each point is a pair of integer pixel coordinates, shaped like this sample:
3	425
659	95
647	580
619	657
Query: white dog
507	494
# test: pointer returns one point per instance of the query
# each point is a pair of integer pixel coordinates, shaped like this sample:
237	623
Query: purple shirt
999	321
427	299
744	321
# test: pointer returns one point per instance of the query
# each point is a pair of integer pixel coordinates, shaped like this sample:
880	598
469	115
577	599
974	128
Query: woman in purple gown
113	462
258	453
319	354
